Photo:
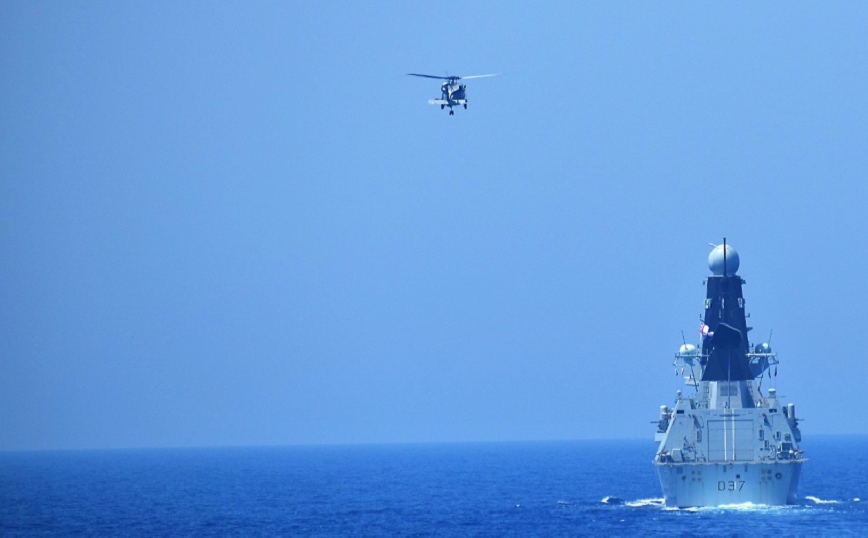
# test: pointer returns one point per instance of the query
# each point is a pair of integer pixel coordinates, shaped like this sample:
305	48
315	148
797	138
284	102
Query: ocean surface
570	488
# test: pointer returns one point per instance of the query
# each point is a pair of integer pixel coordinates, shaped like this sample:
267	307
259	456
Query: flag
703	329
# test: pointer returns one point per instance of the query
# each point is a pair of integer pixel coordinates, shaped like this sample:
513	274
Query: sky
227	223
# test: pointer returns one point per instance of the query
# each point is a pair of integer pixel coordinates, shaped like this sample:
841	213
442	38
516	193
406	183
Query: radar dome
763	348
715	260
687	350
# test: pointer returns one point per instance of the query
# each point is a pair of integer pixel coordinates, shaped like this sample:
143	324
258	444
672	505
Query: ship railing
772	357
760	362
691	357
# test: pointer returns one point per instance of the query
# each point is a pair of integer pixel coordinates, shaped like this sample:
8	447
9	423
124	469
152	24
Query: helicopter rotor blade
428	76
479	76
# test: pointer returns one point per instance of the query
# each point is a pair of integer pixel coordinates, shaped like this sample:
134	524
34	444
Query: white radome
687	350
715	260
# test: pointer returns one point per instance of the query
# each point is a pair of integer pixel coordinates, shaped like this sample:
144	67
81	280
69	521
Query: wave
645	502
660	503
815	500
744	506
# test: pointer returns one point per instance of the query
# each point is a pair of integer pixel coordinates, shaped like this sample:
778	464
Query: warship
727	443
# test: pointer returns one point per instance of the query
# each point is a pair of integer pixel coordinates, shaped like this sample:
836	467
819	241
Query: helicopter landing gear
465	106
442	107
451	112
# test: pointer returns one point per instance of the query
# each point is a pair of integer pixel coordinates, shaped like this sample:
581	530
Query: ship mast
728	362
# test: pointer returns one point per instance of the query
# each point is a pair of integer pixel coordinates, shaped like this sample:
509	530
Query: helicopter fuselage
452	93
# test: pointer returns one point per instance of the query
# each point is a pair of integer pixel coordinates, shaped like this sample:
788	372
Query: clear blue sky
239	223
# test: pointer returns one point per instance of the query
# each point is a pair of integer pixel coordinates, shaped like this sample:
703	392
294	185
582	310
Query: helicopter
453	93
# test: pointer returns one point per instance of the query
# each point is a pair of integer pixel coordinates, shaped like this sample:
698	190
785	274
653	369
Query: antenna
770	336
729	359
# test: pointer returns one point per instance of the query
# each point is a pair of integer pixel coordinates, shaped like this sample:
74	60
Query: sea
565	488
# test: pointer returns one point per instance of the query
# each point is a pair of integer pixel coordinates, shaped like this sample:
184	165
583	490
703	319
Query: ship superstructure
727	443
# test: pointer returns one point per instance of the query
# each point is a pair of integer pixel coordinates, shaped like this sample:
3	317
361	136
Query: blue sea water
488	489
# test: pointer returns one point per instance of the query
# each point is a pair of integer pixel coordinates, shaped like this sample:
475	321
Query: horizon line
364	444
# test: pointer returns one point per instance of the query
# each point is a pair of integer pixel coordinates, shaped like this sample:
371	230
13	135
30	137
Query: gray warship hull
718	484
727	442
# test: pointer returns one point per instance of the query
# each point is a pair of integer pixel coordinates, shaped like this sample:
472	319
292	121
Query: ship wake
808	502
815	500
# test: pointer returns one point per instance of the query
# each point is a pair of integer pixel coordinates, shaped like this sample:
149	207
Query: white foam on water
645	502
820	501
742	506
746	506
761	508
